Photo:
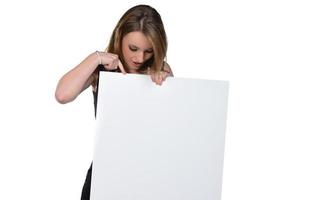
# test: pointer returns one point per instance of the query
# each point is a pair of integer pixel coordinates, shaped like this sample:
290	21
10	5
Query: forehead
137	39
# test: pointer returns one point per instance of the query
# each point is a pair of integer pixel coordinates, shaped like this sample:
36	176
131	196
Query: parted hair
145	19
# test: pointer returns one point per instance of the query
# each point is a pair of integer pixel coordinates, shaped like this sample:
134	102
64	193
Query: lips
137	64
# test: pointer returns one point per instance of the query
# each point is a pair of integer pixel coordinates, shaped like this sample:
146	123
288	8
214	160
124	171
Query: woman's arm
167	69
80	77
76	80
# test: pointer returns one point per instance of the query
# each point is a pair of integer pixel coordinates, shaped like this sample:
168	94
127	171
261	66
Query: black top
95	93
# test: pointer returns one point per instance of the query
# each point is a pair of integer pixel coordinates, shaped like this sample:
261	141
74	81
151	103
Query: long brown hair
147	20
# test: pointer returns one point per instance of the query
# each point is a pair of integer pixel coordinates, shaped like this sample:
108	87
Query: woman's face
136	49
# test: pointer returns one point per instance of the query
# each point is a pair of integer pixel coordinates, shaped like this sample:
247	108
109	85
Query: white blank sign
159	142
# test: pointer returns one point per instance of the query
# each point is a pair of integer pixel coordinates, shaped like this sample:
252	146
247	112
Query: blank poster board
159	142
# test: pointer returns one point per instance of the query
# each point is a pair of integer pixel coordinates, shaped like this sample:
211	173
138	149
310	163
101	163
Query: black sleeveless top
95	93
95	96
85	195
87	184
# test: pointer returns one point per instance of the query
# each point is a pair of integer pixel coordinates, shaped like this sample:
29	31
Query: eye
149	51
132	48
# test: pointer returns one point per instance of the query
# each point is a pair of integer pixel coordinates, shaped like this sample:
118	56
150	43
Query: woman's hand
159	77
110	61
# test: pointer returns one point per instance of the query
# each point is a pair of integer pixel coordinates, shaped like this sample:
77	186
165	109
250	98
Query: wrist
98	58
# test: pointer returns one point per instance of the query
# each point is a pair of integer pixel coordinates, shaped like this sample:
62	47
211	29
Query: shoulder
167	68
166	65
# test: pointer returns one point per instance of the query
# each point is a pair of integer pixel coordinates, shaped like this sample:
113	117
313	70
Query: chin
134	67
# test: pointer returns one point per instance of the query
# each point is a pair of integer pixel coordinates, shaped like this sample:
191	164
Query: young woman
138	45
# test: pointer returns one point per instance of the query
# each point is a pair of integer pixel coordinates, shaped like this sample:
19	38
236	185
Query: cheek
126	54
148	56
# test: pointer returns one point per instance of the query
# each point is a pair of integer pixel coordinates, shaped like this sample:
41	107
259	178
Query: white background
264	48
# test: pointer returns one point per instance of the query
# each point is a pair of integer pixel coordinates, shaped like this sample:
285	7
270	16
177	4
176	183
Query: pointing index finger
121	67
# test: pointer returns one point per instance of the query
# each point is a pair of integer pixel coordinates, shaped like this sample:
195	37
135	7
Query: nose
140	57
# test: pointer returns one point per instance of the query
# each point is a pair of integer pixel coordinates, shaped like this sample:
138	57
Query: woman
138	45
